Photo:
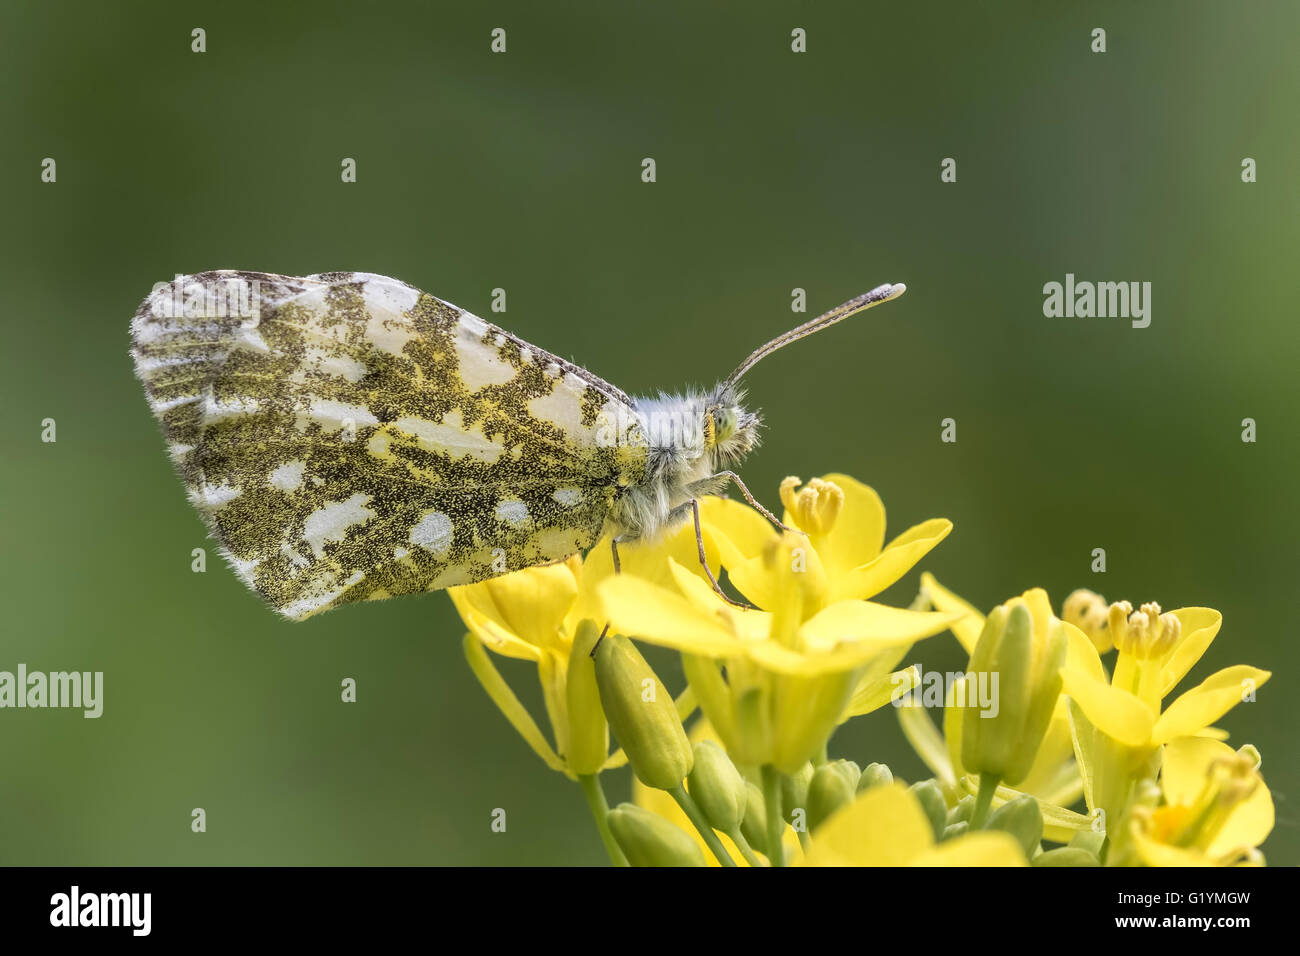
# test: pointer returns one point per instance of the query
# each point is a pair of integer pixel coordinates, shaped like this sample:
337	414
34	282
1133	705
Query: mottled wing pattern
349	437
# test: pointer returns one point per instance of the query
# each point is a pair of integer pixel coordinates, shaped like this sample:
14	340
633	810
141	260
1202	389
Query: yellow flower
537	615
776	682
844	521
1120	724
1216	809
530	615
885	826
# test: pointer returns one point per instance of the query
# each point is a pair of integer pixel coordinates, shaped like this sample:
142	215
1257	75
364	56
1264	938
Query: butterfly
348	437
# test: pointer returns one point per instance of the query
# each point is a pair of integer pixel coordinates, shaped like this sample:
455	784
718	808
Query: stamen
814	507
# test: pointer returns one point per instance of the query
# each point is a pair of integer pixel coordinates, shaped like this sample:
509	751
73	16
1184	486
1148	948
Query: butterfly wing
349	437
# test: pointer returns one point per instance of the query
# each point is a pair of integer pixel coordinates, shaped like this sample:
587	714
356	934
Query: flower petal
741	531
986	848
859	530
884	826
663	617
868	623
1208	701
1081	654
501	694
531	604
764	581
899	557
1184	765
646	560
1115	712
1199	627
968	626
1154	853
875	691
492	633
846	636
1249	824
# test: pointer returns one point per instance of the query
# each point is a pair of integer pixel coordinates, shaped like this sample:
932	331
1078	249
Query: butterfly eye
710	430
725	425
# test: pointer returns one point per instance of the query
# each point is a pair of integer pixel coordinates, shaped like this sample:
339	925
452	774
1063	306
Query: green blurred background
522	170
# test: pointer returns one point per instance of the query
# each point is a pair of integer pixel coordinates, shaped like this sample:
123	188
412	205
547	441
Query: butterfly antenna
877	295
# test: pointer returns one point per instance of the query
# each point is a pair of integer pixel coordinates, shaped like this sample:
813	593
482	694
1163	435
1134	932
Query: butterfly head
730	431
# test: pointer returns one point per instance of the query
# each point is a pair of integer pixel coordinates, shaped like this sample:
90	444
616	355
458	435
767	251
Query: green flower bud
876	774
794	792
1022	819
642	714
961	812
954	830
1065	856
717	787
832	786
930	795
647	839
754	827
588	732
1002	741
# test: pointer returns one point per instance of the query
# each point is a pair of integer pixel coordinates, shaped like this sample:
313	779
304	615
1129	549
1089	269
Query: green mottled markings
358	438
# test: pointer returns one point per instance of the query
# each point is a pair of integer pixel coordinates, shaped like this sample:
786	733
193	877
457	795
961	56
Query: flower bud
717	787
754	827
930	795
1024	652
1021	818
647	839
794	792
1089	612
1065	856
954	830
875	775
965	807
588	745
642	714
832	786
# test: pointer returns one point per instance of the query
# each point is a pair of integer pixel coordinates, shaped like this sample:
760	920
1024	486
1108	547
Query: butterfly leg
603	631
694	505
618	569
735	479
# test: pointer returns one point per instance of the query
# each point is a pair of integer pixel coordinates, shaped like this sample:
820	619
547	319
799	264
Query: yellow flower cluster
1037	724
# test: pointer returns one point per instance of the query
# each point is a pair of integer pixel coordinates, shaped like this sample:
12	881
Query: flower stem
775	821
689	807
983	800
747	851
595	795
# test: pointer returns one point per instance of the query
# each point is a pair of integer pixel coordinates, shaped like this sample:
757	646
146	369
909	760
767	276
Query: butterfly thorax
689	439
